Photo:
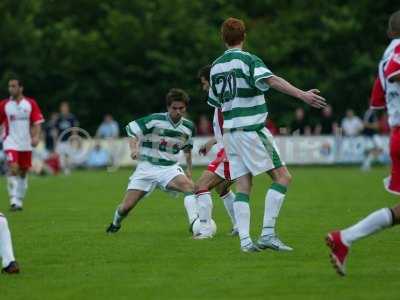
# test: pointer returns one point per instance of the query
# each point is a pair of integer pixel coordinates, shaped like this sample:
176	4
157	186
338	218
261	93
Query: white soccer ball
196	227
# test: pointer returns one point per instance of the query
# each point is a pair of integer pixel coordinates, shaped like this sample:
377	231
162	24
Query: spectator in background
51	132
373	147
384	127
351	124
65	121
328	124
299	125
98	157
204	126
108	129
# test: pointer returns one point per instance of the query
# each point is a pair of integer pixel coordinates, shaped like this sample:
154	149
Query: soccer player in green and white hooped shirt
238	80
156	141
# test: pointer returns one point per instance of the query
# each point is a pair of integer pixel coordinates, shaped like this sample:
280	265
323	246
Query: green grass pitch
60	242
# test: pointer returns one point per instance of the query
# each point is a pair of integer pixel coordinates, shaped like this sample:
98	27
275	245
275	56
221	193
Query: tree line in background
121	57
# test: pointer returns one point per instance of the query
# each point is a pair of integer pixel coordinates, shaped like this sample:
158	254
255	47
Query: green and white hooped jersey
160	138
237	86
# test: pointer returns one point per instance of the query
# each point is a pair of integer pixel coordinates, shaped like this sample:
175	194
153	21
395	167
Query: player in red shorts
217	174
385	94
20	118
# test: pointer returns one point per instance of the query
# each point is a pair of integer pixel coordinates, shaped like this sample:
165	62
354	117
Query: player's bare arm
188	158
35	134
204	149
134	147
310	97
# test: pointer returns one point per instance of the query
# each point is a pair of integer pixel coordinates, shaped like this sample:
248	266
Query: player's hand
313	98
206	148
188	173
135	154
35	141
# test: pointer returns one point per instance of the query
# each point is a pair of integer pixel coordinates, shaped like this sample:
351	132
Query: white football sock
273	203
190	203
22	186
375	222
12	185
6	249
242	214
204	204
228	199
118	217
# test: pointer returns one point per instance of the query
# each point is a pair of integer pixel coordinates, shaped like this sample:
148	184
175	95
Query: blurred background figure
327	124
64	124
204	126
351	124
108	129
51	132
98	157
299	125
373	147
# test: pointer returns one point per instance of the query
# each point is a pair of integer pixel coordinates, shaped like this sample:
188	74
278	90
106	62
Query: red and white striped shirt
16	118
384	92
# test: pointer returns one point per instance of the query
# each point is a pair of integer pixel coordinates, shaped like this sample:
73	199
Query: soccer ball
196	227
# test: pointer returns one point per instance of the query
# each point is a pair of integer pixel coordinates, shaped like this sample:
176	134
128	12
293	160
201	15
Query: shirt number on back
224	86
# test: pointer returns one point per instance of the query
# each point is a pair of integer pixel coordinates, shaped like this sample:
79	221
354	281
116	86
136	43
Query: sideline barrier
294	150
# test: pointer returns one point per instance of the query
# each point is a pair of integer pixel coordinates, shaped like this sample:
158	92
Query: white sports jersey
218	122
16	118
237	86
386	93
160	138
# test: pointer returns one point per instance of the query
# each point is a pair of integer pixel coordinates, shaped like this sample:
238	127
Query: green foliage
123	56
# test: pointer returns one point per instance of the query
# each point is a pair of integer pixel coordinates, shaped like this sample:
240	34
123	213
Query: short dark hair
20	83
205	72
394	23
178	95
233	31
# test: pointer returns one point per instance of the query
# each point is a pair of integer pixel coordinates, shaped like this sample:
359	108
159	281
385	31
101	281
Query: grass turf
60	242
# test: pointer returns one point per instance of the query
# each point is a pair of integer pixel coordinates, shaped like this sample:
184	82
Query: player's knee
396	214
284	179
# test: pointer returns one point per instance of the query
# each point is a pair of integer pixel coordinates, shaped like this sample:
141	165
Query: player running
385	93
217	174
156	141
238	81
20	118
10	266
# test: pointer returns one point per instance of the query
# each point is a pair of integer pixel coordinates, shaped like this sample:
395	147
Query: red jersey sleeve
2	111
36	114
393	66
377	99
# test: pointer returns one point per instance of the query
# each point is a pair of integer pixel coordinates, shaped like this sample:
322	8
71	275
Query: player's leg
6	250
340	241
12	178
241	209
131	199
273	202
140	183
206	182
228	197
24	163
178	181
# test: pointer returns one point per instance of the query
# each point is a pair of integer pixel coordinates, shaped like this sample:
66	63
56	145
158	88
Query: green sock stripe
188	194
242	197
279	188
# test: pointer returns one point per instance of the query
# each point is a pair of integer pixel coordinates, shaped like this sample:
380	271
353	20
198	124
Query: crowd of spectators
326	123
